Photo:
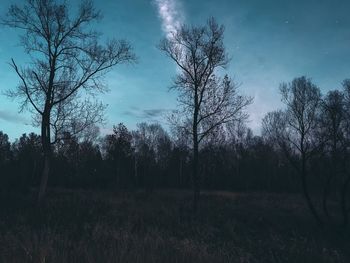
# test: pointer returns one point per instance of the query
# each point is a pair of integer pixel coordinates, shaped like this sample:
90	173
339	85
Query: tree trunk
44	179
180	173
135	172
46	144
326	192
118	175
343	201
306	191
331	174
196	180
46	135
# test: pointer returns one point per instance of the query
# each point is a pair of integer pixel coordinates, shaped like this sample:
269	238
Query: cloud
170	13
154	113
146	114
12	117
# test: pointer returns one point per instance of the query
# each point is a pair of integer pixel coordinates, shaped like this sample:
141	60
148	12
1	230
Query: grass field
83	226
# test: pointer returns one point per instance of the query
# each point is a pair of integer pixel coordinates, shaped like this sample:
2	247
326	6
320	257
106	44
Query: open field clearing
83	226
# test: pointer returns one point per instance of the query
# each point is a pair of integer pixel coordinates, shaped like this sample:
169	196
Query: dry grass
82	226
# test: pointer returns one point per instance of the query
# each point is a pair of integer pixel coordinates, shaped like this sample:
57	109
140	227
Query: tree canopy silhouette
67	63
208	101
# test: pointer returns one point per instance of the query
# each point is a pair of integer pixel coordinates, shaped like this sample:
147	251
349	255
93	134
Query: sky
269	41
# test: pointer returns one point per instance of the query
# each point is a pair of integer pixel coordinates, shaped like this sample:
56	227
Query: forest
202	188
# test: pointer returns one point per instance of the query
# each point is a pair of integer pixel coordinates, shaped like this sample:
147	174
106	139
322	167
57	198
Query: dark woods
313	134
304	147
147	158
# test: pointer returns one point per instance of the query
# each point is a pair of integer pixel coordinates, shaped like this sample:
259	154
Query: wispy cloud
171	15
146	114
12	117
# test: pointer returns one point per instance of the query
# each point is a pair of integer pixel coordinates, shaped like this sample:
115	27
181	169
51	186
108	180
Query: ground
90	226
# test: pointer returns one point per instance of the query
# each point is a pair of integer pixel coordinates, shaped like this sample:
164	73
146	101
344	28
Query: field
83	226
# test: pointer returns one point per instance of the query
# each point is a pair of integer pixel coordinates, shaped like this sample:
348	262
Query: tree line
147	158
304	147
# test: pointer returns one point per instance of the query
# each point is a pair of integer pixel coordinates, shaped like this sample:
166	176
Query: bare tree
66	59
207	100
293	129
298	124
332	132
346	180
274	128
119	152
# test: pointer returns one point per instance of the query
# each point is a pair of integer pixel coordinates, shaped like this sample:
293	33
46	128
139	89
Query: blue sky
269	42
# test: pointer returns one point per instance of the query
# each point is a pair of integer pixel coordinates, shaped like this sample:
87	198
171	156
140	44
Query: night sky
269	42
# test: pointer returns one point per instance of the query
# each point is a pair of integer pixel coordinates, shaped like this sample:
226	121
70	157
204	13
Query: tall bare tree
346	179
332	132
207	100
294	129
66	60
